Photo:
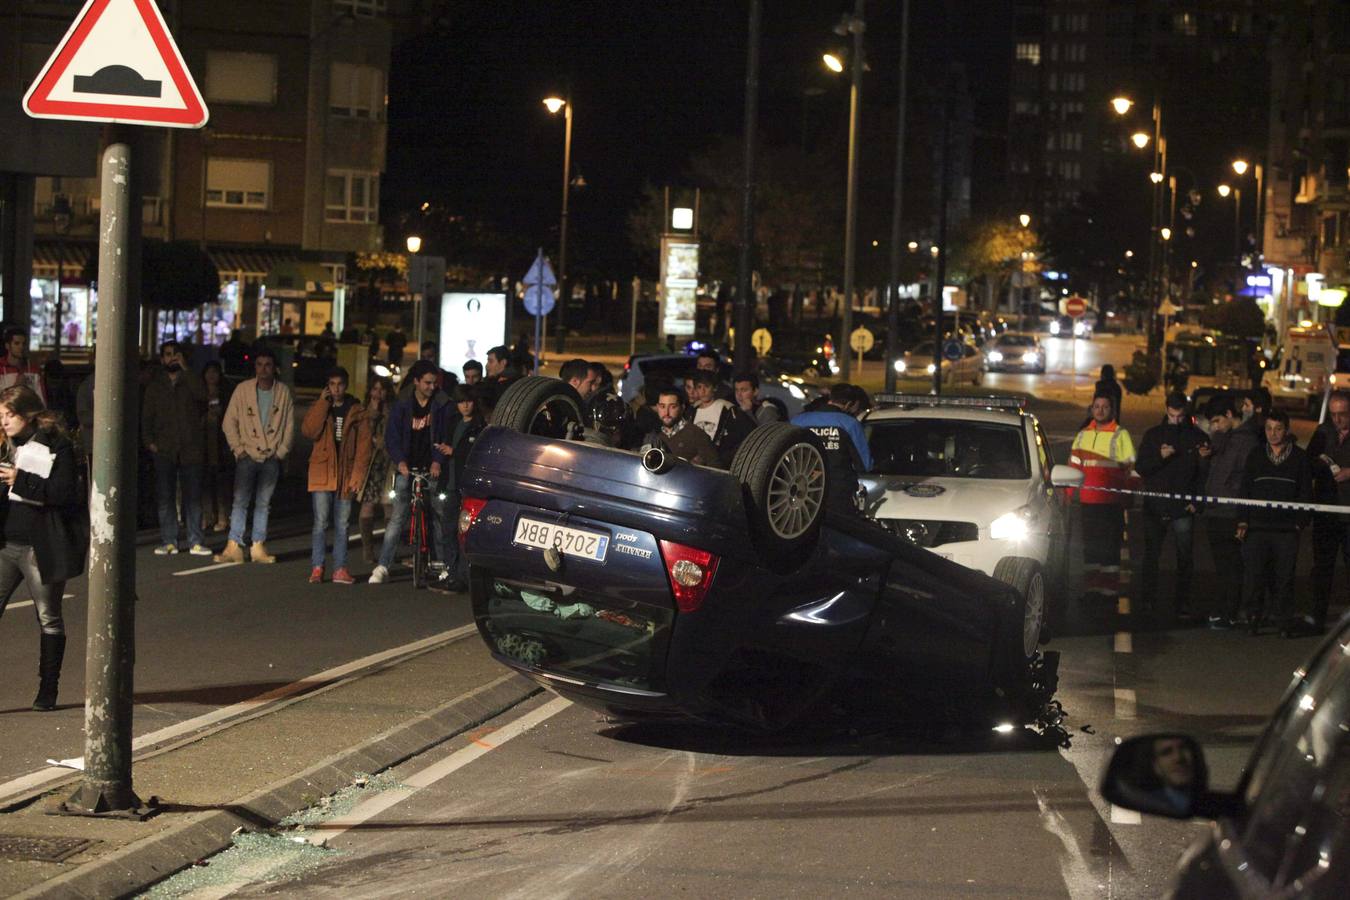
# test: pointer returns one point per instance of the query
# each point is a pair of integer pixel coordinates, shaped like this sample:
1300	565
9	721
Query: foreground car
1285	831
645	586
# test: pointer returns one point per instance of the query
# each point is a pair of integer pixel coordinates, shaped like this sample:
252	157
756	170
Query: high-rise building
284	180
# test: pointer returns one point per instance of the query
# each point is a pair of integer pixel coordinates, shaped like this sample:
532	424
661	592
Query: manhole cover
40	849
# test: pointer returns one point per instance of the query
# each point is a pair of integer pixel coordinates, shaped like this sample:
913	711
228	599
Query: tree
1239	317
991	250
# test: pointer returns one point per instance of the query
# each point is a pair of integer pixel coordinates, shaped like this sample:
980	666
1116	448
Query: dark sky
652	83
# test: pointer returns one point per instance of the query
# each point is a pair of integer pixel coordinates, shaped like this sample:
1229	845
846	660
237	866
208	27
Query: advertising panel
471	325
679	280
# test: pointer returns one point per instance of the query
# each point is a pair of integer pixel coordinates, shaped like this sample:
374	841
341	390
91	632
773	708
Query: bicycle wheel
421	552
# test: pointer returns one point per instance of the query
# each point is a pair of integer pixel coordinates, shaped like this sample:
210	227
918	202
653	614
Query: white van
1301	377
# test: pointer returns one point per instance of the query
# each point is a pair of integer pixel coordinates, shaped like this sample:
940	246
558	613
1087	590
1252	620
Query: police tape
1203	500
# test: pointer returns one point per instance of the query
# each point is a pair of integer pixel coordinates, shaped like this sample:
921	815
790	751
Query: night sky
652	83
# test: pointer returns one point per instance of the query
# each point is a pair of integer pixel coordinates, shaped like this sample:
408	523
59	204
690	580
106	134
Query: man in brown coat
171	428
336	424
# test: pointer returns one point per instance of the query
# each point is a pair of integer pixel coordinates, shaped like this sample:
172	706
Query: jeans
1156	528
328	505
1269	558
169	473
18	563
395	529
249	474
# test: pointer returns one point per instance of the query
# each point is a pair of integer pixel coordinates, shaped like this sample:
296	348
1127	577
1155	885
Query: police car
971	479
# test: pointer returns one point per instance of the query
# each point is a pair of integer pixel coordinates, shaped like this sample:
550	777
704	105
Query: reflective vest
1105	454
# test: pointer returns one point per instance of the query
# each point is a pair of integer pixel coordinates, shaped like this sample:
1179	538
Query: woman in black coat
44	532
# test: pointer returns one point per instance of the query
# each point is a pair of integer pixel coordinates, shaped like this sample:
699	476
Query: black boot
49	671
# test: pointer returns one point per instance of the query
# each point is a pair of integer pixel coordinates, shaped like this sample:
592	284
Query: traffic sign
541	273
861	340
761	340
117	63
1075	307
539	284
952	350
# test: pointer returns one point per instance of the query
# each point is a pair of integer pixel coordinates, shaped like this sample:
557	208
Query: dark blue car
645	586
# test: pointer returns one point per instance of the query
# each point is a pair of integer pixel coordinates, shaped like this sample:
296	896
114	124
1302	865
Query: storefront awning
70	256
249	261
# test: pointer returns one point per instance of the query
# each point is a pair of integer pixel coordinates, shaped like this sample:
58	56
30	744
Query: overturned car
646	586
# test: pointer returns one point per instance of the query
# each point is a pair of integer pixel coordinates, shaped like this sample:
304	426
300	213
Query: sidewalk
255	772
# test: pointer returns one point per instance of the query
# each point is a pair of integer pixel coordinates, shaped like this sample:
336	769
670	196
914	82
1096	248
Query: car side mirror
1062	476
1160	774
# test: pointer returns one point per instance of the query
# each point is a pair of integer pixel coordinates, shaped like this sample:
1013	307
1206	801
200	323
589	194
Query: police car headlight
995	356
900	366
795	391
1013	526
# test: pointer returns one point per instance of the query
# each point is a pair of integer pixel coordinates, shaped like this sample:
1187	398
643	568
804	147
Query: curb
141	864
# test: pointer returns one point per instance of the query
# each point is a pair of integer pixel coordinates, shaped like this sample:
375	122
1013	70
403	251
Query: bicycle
419	529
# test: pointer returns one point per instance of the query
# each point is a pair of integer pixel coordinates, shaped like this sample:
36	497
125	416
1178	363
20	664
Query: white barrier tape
1200	499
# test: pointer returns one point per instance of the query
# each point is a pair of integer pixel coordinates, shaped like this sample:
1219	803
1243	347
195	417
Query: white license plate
568	541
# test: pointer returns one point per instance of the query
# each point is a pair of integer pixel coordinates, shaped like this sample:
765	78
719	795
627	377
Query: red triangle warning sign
117	63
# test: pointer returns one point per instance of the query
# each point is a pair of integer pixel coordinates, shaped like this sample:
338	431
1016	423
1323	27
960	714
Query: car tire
1025	577
541	406
782	472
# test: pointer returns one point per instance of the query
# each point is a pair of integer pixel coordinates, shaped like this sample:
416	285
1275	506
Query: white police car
971	479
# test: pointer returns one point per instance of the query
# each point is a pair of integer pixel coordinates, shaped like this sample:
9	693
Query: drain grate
41	849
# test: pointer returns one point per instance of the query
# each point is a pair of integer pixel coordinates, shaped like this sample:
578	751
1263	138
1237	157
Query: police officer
846	450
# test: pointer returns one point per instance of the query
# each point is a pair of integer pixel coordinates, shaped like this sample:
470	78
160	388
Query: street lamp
414	243
1240	166
1140	139
554	104
1121	105
851	25
1025	219
1155	177
1224	190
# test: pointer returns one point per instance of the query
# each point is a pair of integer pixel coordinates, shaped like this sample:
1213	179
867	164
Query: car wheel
782	472
541	406
1024	576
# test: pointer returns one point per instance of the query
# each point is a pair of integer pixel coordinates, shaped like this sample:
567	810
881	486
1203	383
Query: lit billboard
679	282
471	325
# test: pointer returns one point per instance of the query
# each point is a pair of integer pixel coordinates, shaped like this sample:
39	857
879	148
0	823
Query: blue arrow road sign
539	299
952	350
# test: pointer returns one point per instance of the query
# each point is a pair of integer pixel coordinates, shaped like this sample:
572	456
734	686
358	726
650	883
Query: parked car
1015	351
1285	830
971	480
646	586
917	362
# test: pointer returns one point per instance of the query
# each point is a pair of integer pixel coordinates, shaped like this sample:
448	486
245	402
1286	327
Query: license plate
568	541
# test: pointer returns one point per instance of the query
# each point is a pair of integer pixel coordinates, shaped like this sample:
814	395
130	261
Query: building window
241	77
238	183
1185	23
1052	83
356	91
1076	22
1026	108
358	7
1075	53
352	196
1030	53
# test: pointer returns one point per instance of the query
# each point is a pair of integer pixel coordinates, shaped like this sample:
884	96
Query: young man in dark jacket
721	420
411	437
1229	447
172	417
1279	471
1329	453
1170	462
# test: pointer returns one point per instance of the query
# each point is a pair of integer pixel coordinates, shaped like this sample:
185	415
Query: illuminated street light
1129	254
554	104
1140	139
1121	105
1195	264
1224	190
1024	219
1155	177
1165	233
934	250
1240	166
833	63
913	246
414	243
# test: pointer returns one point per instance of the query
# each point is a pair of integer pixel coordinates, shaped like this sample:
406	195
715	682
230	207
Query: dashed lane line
39	779
1126	703
1121	816
1124	642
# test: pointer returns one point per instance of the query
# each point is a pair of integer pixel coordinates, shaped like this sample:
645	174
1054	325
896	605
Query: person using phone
1170	461
335	423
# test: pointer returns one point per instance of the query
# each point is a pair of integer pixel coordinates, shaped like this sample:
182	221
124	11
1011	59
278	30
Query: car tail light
691	573
469	508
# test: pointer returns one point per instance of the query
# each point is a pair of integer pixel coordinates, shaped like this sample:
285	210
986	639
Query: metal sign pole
106	787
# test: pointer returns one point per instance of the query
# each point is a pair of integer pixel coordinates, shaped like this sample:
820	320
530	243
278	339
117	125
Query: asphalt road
569	805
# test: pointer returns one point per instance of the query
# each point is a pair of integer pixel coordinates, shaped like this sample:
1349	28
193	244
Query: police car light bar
1019	403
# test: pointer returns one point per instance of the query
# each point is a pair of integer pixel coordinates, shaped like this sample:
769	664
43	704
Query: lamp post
554	104
1240	167
1224	191
893	307
1158	175
851	25
414	245
61	215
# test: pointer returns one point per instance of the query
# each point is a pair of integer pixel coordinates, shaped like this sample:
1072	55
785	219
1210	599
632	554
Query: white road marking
1124	642
34	780
22	603
1126	703
1125	816
433	773
210	568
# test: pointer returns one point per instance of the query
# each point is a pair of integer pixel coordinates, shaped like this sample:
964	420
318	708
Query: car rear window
948	448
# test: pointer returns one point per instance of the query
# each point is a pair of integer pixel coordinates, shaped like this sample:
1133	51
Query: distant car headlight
1031	357
795	391
382	370
932	367
834	367
900	366
1079	328
995	356
1054	328
1013	526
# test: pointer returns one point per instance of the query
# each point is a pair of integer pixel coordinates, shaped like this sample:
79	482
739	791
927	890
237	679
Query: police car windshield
947	448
